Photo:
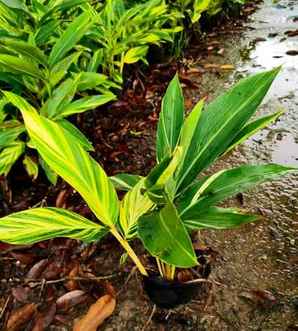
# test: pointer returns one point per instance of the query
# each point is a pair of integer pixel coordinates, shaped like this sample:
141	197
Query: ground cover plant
40	61
61	73
162	208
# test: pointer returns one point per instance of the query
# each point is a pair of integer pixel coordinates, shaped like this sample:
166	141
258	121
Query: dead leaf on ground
71	299
96	314
37	269
260	297
20	317
43	320
20	293
227	67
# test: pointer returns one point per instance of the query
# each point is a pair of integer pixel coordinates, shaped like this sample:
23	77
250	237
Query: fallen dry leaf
43	320
37	269
227	67
71	299
20	317
96	314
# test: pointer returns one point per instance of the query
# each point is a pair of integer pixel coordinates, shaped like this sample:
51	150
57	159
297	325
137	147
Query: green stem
129	251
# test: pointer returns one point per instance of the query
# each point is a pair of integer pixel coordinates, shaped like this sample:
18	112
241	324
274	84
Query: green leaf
217	219
85	103
253	127
60	70
90	80
226	183
189	131
135	54
220	123
60	99
77	134
125	182
31	167
20	66
71	36
29	51
161	177
9	156
19	102
50	174
15	4
9	134
164	236
70	161
38	224
132	207
170	120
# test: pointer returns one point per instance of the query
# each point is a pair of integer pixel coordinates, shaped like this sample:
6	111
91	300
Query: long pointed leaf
221	122
253	127
170	120
164	236
217	219
71	36
227	183
70	161
34	225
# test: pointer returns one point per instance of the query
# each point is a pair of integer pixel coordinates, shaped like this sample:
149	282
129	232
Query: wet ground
260	261
256	270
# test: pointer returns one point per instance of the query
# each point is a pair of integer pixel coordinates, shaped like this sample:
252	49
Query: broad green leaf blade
125	182
253	127
60	99
19	102
50	174
70	161
164	236
189	131
220	123
71	36
9	134
164	171
31	167
85	103
170	120
132	207
77	134
135	54
38	224
20	66
90	80
227	183
29	51
217	219
9	156
61	68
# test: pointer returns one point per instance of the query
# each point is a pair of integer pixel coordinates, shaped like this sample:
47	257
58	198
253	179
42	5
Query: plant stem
159	266
129	251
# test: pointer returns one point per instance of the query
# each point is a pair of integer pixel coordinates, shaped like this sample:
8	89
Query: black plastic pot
169	294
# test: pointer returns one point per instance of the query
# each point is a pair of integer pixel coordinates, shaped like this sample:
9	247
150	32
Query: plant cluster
175	198
67	57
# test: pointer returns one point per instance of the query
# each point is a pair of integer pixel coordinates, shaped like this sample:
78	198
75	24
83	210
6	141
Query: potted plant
174	199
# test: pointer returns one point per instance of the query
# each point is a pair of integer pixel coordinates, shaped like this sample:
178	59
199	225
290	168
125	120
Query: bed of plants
59	59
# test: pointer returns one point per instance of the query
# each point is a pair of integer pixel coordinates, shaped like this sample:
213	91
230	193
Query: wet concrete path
259	267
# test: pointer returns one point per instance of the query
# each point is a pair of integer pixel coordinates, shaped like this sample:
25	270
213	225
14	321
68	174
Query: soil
255	274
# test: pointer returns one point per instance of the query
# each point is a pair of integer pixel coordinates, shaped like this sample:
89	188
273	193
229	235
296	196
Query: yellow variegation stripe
34	225
70	161
132	207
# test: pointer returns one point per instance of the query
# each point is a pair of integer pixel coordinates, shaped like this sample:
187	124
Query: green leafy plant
122	35
40	59
175	198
